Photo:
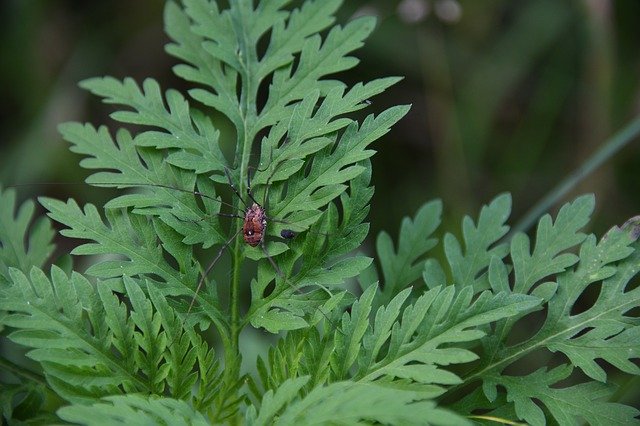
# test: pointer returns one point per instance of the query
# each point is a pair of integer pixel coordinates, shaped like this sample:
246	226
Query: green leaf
403	267
90	345
47	316
147	337
353	327
270	72
22	246
132	409
565	404
303	120
333	166
24	401
273	402
136	239
352	403
601	331
322	263
480	244
182	348
167	190
418	345
551	240
184	128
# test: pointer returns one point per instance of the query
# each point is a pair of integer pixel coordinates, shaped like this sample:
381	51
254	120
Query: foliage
125	346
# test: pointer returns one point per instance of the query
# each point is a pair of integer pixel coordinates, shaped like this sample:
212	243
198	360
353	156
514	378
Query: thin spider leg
224	203
204	277
265	202
233	187
249	191
237	216
210	267
268	184
256	168
275	267
266	191
270	219
281	275
131	185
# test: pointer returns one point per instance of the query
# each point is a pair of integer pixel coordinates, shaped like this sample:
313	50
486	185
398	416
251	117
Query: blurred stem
626	389
19	371
608	150
443	120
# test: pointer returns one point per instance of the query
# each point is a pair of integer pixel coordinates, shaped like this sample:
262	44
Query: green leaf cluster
428	337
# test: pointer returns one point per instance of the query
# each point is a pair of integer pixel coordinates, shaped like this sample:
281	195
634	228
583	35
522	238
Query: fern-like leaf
349	403
47	315
91	345
303	120
136	239
403	267
184	127
167	190
22	246
552	239
321	261
602	331
133	409
584	401
481	244
438	318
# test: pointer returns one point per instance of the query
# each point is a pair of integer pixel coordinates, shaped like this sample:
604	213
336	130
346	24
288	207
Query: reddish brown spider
255	224
254	230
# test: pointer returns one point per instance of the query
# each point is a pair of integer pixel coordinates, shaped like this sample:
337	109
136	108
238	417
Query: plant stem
610	147
233	353
233	359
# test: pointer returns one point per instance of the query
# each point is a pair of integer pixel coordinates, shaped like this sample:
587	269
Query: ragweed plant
422	341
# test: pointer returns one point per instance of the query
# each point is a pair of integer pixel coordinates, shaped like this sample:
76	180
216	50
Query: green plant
424	341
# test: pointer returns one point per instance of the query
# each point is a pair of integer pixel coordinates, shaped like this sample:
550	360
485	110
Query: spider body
255	225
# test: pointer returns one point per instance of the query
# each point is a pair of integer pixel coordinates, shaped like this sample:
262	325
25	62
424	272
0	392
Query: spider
254	228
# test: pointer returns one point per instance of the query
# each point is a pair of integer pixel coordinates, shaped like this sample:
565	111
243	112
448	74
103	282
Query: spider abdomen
255	225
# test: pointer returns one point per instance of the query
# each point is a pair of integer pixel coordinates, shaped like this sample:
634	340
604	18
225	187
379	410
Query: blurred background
507	96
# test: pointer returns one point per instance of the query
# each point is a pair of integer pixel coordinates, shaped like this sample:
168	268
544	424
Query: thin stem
610	147
235	303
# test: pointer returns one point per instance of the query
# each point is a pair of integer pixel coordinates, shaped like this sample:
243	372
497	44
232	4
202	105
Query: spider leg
233	187
279	272
249	191
210	267
275	267
237	216
204	277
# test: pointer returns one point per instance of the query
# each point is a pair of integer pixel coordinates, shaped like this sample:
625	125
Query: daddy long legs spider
254	226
